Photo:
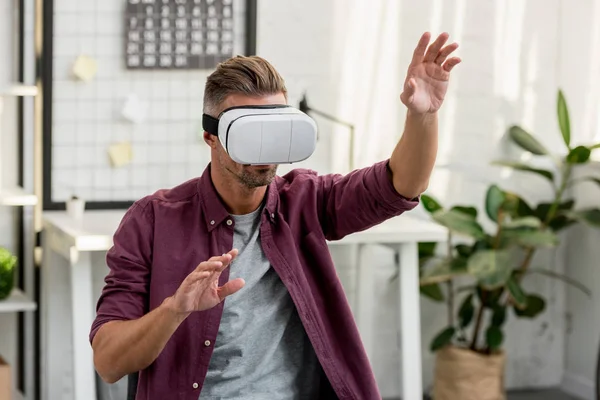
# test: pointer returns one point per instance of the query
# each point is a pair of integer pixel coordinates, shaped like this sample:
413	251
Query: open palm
200	290
428	74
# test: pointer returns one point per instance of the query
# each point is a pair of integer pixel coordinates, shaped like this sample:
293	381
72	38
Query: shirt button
229	222
195	385
273	216
207	343
212	222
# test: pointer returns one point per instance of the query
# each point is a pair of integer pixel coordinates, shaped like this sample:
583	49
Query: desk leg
365	301
410	322
55	323
83	315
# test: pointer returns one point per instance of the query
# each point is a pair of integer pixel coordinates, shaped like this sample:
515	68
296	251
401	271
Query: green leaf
459	222
563	118
489	298
433	292
595	146
534	306
494	199
526	168
490	267
7	260
560	222
579	155
542	209
463	250
530	237
443	271
427	249
466	311
442	339
430	204
515	206
499	315
494	337
561	277
526	141
516	292
483	244
470	211
525	222
590	216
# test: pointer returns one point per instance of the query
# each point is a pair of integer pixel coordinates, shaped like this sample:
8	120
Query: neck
238	199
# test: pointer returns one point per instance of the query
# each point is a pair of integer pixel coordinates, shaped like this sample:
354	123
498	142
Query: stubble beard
257	177
250	177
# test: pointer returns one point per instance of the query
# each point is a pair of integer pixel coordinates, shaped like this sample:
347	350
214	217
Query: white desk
403	235
68	303
70	241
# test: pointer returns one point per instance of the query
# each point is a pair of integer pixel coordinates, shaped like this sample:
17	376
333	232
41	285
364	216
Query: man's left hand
428	75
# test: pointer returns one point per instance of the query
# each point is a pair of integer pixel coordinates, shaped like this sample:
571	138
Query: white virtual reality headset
264	134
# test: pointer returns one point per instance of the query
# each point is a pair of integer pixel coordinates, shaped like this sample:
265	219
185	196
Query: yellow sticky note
85	68
120	154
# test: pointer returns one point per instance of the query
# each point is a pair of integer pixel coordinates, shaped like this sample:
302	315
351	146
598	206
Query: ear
211	140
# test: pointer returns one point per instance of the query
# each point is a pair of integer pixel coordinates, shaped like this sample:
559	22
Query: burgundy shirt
163	237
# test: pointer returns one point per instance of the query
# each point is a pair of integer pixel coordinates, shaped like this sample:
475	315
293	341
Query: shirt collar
214	209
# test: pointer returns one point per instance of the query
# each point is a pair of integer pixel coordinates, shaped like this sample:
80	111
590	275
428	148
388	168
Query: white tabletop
404	228
94	232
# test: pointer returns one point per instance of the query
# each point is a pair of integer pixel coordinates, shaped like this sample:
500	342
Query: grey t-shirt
262	350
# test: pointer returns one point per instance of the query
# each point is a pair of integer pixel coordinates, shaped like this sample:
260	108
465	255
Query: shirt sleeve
359	200
125	294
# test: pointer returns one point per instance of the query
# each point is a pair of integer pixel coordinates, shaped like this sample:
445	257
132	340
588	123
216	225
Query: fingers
210	266
451	63
421	47
435	47
198	275
225	259
230	288
445	52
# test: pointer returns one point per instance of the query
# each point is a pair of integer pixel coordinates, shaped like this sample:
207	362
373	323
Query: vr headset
264	134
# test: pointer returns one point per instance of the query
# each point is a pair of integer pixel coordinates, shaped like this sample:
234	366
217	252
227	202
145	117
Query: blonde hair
248	75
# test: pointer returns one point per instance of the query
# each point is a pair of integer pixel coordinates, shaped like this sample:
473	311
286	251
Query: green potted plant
7	272
491	265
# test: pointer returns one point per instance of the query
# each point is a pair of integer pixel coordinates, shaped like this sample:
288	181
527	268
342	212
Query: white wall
351	57
580	73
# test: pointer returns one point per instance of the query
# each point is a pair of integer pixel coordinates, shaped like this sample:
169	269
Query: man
240	232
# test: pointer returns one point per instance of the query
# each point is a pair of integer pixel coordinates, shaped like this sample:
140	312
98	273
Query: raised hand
428	74
200	289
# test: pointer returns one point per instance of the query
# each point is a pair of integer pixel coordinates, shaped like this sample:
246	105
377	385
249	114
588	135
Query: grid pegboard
86	116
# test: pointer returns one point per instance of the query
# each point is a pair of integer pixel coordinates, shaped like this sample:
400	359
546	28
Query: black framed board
177	44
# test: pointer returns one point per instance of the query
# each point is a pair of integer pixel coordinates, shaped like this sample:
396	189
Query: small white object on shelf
16	302
17	196
75	208
18	89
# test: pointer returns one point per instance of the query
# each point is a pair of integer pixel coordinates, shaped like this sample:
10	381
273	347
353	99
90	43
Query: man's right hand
123	347
200	289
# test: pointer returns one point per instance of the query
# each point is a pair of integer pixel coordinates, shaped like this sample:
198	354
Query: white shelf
18	89
16	196
17	395
16	302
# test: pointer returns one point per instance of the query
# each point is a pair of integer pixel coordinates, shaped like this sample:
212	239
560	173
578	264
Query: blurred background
101	104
